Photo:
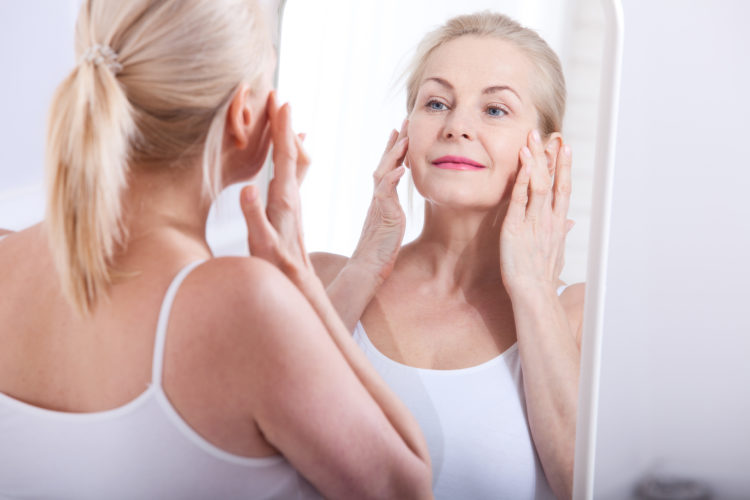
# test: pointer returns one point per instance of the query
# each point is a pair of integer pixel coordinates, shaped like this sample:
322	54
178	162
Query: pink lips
457	163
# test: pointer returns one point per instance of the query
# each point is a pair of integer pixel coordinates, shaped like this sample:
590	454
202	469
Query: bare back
55	359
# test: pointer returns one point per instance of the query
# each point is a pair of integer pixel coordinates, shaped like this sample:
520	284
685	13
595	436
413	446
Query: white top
143	449
474	421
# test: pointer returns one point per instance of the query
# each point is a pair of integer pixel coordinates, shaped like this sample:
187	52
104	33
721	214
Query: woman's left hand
275	233
532	239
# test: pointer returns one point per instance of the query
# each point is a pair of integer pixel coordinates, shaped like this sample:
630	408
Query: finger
303	159
519	197
272	106
569	225
540	181
387	187
391	159
260	234
563	186
391	140
284	146
388	162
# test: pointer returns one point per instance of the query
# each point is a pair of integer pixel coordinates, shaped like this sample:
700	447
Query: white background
675	376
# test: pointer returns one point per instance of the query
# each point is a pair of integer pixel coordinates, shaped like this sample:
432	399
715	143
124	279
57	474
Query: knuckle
519	197
564	188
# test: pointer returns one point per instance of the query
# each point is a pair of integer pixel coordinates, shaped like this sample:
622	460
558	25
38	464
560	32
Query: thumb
260	232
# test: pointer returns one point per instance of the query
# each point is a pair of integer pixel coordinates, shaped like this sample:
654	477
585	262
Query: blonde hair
152	88
549	92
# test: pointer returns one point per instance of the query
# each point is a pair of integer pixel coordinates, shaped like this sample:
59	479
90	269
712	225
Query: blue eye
436	106
495	111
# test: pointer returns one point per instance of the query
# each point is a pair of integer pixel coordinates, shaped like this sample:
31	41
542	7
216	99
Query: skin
484	272
248	376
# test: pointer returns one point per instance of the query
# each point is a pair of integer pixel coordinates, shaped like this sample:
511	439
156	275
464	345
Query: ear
551	148
240	117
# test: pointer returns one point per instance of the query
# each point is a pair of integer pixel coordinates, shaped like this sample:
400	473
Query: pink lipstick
457	163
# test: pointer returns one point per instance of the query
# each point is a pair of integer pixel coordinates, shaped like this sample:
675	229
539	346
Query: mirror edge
588	393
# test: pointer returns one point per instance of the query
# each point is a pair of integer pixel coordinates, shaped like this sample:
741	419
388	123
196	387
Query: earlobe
551	149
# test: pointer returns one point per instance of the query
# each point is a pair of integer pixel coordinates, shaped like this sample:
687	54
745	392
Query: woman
469	328
132	363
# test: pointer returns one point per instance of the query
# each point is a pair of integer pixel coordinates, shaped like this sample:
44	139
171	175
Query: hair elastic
102	54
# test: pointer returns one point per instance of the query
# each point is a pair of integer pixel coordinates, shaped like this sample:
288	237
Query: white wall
37	52
675	379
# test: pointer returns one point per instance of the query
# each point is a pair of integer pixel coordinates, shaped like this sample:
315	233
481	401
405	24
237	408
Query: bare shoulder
236	318
231	290
327	265
572	300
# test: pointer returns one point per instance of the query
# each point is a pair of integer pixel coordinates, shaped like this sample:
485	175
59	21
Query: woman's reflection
470	323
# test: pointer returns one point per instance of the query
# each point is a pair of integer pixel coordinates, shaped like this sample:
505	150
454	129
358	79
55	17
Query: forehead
480	61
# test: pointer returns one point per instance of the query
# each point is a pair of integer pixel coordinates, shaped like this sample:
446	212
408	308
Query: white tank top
474	421
141	450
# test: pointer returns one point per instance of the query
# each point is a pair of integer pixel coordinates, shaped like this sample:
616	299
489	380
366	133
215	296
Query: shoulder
227	290
240	316
327	265
572	300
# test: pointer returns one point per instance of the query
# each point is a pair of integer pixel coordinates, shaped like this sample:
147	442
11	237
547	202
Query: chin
460	197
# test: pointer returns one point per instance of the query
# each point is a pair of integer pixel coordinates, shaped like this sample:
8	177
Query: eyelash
431	102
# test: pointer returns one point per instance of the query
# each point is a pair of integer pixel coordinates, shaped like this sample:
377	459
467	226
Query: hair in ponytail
151	89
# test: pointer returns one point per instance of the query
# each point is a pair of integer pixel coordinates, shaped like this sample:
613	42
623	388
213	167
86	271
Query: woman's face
471	117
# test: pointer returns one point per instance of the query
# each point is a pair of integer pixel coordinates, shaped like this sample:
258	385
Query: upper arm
572	300
327	265
305	398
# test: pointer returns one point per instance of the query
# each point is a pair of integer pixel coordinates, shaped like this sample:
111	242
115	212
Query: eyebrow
488	90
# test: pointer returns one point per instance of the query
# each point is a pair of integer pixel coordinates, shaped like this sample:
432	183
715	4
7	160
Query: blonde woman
469	323
133	364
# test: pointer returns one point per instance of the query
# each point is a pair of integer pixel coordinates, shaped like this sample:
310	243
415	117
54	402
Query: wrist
360	270
531	290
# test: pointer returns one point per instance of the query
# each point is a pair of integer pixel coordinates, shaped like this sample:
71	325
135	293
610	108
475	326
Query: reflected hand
532	239
275	234
385	224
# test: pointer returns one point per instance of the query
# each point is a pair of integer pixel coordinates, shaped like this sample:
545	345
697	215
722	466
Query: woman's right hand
385	224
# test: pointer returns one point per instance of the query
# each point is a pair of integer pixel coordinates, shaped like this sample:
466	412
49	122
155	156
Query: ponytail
152	86
88	141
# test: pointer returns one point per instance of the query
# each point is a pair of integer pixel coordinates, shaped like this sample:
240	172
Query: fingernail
526	151
566	150
536	136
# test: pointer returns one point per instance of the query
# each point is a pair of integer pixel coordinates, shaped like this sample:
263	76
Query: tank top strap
161	325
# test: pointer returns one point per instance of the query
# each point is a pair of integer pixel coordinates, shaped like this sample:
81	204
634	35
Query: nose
458	126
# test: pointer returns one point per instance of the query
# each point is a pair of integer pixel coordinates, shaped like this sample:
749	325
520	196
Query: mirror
340	67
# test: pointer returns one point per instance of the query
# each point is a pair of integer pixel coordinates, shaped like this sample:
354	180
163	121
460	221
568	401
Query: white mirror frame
596	274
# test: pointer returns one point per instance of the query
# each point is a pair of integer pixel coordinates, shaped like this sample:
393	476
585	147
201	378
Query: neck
166	205
461	248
